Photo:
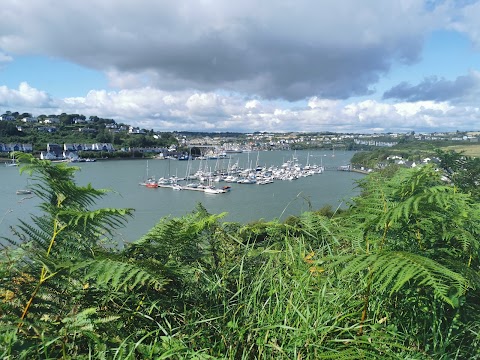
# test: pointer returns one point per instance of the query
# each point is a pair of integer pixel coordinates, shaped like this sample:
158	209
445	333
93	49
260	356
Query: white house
46	155
136	130
30	120
102	147
51	120
27	147
70	155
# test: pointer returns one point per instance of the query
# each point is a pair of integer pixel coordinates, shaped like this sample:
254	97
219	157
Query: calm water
243	204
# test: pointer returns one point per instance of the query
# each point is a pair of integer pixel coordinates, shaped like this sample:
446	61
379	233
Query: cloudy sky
250	65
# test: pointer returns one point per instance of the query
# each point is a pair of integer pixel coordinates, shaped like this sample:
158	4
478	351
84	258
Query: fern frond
37	235
85	318
392	270
119	275
95	221
436	197
317	230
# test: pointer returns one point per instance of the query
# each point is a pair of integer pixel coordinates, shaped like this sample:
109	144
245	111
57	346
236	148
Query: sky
346	66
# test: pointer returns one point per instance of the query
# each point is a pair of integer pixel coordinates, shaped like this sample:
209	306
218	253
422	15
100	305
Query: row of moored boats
204	180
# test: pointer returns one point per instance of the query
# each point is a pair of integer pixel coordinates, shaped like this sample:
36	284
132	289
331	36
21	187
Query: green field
470	150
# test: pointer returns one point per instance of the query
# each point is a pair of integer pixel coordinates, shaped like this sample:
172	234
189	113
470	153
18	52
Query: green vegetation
394	276
470	150
66	131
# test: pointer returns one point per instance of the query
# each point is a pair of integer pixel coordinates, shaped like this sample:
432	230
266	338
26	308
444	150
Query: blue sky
347	66
445	54
60	78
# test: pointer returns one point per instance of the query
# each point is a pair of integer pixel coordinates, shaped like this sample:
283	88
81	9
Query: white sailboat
12	162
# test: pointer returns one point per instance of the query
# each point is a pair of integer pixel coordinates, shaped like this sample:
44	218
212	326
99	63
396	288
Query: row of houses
87	147
70	151
48	120
375	143
7	118
7	148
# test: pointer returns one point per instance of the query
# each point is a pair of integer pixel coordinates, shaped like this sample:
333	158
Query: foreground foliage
395	276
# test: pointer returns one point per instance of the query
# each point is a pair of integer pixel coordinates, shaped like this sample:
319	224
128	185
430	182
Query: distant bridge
203	148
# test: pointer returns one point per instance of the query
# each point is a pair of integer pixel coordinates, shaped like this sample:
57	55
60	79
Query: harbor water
244	203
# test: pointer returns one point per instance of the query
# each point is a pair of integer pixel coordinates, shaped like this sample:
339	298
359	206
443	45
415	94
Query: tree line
68	132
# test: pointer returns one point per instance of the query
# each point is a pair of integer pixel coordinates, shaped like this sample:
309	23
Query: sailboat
149	181
12	162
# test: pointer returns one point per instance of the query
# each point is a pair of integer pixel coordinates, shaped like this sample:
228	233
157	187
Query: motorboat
212	190
23	192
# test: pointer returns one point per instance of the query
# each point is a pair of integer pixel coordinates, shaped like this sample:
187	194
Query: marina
233	173
244	201
290	170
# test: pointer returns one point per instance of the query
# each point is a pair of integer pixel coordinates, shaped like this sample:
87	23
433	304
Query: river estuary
244	203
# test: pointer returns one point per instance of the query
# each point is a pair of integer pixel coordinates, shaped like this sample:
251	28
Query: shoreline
365	172
6	159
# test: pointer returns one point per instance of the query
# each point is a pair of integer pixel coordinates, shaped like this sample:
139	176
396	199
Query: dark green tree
8	128
24	115
461	170
104	136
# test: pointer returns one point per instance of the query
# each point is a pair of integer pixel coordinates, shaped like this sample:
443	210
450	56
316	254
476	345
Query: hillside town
105	137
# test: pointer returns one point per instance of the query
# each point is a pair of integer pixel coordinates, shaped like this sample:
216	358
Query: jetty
197	187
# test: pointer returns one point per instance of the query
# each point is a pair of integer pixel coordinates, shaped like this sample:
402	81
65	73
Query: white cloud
411	109
252	104
194	111
203	103
25	96
324	104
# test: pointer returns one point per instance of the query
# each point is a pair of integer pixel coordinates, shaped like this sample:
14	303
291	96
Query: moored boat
212	190
23	192
151	183
246	181
12	162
